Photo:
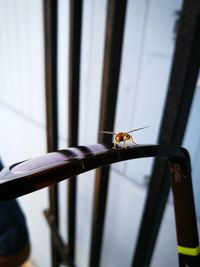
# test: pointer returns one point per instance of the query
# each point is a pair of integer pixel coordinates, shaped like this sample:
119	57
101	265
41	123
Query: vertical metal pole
181	88
112	59
74	79
50	32
186	223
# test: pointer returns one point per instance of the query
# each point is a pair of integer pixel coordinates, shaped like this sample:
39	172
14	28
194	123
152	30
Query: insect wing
107	132
138	129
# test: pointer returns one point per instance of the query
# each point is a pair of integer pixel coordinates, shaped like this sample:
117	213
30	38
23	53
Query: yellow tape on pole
189	251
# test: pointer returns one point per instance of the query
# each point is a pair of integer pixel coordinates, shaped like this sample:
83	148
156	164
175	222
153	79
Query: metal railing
23	178
28	176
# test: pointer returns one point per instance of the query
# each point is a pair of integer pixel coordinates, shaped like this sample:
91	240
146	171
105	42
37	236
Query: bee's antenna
138	129
107	132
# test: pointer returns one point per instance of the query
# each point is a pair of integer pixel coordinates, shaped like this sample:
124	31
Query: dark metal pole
186	223
74	79
50	32
181	88
112	59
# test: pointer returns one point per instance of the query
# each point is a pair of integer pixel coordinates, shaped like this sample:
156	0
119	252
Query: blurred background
148	47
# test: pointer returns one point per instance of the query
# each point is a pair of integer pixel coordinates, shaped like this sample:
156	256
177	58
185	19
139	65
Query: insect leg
115	144
125	144
132	140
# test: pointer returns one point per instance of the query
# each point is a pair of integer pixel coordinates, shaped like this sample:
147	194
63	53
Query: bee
123	136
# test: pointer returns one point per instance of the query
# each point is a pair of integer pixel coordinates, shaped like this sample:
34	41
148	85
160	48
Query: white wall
22	110
146	60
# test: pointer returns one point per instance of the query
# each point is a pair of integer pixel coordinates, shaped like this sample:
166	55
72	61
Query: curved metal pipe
33	174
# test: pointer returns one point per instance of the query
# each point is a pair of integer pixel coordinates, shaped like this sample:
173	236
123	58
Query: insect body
123	136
